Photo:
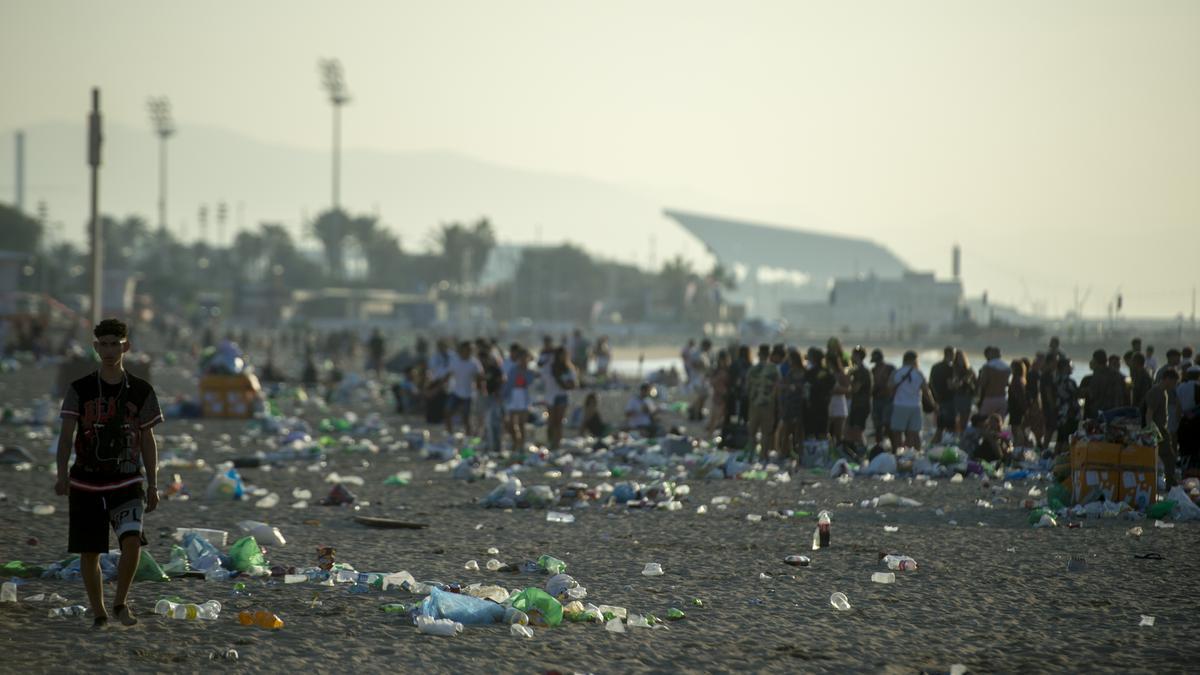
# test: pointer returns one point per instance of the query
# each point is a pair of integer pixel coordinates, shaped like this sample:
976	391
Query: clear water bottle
823	523
884	577
73	610
442	627
8	592
900	562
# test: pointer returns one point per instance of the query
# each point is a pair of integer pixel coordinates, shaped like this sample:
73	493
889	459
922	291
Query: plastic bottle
295	578
550	564
519	630
900	562
43	510
652	570
558	517
262	618
797	560
516	616
883	578
472	566
8	592
823	523
73	610
494	565
441	627
208	611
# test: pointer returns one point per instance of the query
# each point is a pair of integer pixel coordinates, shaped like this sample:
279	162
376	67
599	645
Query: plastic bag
884	462
464	609
246	554
263	532
226	485
540	606
1185	509
148	569
178	565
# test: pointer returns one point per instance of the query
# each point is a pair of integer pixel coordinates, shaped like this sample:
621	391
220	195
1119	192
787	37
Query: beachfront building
777	265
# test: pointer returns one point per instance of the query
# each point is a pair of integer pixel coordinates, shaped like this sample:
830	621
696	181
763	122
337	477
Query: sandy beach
991	593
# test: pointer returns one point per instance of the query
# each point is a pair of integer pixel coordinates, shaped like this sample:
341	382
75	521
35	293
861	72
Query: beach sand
973	601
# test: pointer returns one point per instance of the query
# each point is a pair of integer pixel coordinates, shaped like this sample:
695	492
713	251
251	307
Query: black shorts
93	514
860	411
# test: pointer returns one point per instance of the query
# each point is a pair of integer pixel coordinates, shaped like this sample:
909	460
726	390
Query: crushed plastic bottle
1135	532
652	570
891	528
494	565
615	626
519	630
675	614
797	560
43	510
472	566
209	611
1163	525
268	502
1146	620
73	610
440	627
840	602
883	578
262	618
559	517
8	592
899	562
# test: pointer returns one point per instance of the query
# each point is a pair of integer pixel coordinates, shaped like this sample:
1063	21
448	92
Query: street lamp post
164	126
334	83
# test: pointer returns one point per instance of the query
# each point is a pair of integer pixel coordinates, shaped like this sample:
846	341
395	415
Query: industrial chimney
956	262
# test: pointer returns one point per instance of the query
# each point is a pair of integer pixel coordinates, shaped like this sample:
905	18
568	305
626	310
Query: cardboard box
229	395
1095	467
1139	476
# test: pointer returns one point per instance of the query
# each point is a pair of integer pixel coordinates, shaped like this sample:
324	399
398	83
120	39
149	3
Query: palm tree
332	228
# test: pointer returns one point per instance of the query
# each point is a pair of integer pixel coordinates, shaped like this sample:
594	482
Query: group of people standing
790	396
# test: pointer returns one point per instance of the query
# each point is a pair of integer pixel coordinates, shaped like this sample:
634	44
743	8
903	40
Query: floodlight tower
164	126
335	85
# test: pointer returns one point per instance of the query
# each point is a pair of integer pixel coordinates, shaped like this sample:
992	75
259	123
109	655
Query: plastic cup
839	602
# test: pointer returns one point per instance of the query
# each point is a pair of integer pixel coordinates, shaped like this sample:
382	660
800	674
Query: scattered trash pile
544	595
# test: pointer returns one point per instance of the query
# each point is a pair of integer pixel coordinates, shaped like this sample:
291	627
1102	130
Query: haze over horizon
1058	143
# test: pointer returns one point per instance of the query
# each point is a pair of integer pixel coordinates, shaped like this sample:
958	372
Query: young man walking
108	419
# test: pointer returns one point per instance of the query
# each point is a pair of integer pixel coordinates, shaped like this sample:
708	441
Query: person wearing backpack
909	391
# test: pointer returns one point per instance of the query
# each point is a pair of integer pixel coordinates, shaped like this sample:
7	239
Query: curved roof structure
821	257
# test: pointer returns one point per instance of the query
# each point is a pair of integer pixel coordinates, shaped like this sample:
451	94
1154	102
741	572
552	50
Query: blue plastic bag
464	609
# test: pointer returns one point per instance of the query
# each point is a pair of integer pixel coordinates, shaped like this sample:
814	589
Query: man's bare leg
131	552
89	568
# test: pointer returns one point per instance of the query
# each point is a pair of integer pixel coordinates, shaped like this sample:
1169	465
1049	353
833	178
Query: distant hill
412	191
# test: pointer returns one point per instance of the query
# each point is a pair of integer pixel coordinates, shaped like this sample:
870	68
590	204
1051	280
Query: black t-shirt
939	382
860	385
111	419
493	375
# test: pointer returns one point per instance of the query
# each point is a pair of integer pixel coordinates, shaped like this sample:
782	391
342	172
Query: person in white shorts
908	390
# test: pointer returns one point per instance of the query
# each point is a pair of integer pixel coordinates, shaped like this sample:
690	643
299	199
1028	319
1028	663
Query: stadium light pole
334	84
164	127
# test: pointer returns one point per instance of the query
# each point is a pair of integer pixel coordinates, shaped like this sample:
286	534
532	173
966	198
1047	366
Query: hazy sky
1059	141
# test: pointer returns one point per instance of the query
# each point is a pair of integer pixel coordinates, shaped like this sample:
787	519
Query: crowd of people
775	398
789	396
